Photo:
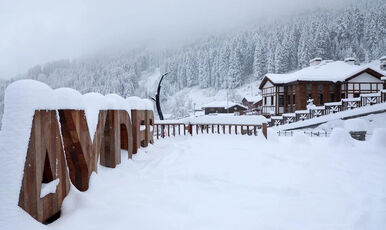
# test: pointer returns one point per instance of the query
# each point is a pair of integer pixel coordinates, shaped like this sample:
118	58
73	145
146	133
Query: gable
267	84
365	77
264	83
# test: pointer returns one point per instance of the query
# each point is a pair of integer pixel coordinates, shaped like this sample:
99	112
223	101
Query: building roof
253	99
221	104
327	70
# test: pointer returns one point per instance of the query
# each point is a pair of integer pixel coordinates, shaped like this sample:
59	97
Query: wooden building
223	107
323	81
254	104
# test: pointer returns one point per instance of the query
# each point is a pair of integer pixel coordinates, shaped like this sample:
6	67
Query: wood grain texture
68	153
45	162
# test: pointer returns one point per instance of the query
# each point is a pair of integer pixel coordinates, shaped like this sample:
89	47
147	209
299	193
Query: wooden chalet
323	81
253	104
223	107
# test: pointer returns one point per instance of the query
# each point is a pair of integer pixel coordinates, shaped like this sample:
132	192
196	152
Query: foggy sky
39	31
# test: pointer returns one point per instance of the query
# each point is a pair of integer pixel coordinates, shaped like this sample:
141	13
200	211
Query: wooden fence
163	130
310	134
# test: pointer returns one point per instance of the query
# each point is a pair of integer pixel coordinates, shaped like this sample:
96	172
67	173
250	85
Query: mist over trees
227	62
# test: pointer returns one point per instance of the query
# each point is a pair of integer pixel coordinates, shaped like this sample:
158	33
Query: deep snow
234	182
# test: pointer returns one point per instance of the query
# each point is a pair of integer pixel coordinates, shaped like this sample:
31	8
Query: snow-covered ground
234	182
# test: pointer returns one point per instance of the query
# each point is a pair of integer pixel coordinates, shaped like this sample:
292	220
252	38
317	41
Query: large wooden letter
117	135
45	180
113	132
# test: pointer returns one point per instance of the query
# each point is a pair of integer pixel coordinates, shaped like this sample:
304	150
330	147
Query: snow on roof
253	99
221	104
325	71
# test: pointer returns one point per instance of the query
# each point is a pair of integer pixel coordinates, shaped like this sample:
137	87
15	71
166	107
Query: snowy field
235	182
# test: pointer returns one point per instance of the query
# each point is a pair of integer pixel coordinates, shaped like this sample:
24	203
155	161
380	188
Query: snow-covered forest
229	61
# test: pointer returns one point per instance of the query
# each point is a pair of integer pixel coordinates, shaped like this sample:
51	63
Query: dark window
332	87
309	86
356	94
293	99
320	99
265	100
288	99
281	100
332	97
320	88
342	95
271	100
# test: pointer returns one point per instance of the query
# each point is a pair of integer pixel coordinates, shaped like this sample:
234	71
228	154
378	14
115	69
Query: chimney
383	63
350	60
315	61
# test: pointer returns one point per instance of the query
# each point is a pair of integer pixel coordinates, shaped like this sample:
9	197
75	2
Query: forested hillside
229	61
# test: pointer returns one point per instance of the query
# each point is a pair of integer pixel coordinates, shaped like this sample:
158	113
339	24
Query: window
288	99
332	87
320	99
265	100
332	97
320	88
272	100
356	94
309	86
281	100
342	95
293	99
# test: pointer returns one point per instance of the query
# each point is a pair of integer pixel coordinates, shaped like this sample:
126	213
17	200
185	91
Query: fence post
179	129
157	130
197	129
190	129
264	130
163	131
223	129
254	130
230	129
236	129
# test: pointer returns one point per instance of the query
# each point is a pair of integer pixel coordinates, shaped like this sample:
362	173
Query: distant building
254	104
223	107
323	81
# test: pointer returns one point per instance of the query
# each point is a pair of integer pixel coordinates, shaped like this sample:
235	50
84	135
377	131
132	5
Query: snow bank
21	99
340	137
379	137
300	138
356	124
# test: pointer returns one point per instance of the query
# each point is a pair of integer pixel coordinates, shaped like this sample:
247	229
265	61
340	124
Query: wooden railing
165	129
329	108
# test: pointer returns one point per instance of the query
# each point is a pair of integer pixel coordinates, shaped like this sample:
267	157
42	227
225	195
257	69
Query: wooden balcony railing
330	108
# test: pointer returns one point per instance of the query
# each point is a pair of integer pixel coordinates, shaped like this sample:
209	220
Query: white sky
37	31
